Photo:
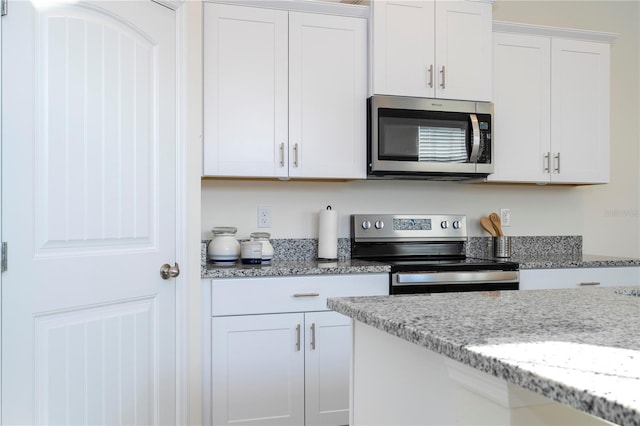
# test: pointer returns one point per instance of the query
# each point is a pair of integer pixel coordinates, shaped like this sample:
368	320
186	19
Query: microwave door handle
475	134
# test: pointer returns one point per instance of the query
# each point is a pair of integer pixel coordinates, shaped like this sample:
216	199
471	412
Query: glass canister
224	249
267	248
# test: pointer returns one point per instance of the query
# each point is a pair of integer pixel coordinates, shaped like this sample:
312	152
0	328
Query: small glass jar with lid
267	248
224	248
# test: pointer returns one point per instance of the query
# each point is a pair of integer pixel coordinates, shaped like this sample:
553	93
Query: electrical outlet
505	217
264	217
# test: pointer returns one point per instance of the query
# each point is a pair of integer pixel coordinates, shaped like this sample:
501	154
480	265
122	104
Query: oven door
453	281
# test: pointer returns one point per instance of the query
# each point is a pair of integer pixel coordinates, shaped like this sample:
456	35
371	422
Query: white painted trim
577	34
194	128
312	6
171	4
182	224
1	142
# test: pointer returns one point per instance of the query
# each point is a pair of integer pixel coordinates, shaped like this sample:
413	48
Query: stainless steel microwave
420	138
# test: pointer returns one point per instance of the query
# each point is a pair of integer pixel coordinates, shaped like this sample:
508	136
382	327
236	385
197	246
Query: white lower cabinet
278	356
327	358
538	279
281	369
258	370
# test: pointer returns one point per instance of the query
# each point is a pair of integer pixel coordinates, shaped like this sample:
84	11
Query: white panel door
327	360
258	370
522	100
463	50
89	130
327	96
580	110
403	48
245	91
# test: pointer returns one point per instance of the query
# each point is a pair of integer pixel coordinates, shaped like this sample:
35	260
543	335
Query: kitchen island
511	357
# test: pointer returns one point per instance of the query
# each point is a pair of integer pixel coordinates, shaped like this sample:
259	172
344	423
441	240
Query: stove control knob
456	224
379	224
444	224
366	224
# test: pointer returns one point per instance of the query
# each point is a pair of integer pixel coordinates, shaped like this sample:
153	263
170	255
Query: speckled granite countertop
572	261
299	267
579	347
297	257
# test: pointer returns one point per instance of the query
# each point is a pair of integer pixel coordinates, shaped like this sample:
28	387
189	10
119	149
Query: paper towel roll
328	234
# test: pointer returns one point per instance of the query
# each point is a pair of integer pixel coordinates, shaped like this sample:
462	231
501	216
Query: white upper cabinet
285	93
434	49
551	106
327	96
403	48
580	111
245	91
522	101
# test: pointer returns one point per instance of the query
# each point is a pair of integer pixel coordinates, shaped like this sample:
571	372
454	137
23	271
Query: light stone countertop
297	257
579	347
554	261
288	268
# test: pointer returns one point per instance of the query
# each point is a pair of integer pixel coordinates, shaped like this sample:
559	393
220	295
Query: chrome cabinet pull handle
298	338
313	336
589	283
546	162
442	72
281	155
295	155
557	166
306	294
430	71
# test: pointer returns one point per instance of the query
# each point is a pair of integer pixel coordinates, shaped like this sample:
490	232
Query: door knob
167	271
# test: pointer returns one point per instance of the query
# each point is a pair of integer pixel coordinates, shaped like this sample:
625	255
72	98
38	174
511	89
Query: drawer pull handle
306	294
590	283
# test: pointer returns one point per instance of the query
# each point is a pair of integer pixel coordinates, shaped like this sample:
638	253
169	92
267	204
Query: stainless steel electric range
426	253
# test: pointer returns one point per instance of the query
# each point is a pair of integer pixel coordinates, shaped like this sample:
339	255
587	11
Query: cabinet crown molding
541	30
313	6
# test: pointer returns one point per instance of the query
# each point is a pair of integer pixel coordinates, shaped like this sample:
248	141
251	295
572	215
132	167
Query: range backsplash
306	249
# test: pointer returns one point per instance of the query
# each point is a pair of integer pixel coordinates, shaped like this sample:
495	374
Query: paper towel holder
327	259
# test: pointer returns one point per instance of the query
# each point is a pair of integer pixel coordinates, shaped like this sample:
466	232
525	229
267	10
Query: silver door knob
167	271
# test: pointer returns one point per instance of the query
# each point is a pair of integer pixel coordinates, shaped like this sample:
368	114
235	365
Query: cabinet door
258	370
580	111
403	48
463	59
245	91
327	96
522	98
327	360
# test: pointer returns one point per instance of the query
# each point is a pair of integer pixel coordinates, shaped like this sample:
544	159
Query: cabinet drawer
244	296
531	279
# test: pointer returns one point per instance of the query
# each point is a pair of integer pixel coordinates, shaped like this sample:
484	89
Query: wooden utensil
495	220
488	225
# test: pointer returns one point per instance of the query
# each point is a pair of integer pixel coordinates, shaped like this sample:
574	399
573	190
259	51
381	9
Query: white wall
607	215
535	210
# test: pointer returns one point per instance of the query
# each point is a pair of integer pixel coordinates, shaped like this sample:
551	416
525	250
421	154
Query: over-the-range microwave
421	138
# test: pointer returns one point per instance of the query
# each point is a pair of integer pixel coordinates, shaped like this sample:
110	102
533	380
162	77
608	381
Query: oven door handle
460	277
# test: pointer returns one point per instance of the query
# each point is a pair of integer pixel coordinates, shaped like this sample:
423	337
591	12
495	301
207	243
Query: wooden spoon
495	220
487	225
